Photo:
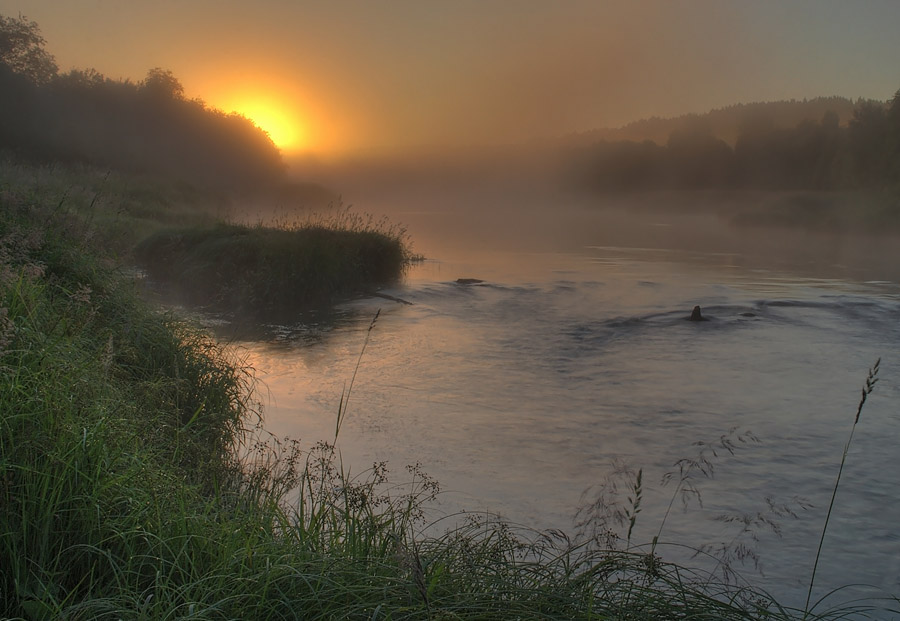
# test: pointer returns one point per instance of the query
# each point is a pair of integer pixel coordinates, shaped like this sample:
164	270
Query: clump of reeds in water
262	269
337	216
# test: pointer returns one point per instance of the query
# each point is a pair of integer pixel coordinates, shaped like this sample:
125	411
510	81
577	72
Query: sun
275	119
283	108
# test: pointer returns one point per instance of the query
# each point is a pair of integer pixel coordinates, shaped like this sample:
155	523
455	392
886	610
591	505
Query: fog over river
521	392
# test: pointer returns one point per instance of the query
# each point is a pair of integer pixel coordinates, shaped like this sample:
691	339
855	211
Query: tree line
726	123
145	126
815	155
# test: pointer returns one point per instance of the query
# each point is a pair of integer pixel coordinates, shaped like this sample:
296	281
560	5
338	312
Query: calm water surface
519	393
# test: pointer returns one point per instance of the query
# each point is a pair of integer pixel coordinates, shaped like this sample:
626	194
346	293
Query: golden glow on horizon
298	118
273	117
381	76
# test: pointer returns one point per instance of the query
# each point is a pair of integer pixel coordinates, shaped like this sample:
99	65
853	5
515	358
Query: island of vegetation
134	480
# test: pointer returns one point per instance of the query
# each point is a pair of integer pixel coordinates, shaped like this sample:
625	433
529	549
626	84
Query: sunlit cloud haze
344	76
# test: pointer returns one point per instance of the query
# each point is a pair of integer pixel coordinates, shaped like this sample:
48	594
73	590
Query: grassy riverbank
134	483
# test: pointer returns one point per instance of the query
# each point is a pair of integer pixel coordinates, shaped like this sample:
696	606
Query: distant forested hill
848	146
726	123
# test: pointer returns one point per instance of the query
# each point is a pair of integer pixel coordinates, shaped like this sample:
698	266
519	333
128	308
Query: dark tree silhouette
696	159
162	83
868	144
22	50
892	144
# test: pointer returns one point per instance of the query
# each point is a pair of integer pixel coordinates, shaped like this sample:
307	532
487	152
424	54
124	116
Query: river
521	394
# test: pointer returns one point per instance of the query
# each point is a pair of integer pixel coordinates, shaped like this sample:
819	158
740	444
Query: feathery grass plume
700	464
609	506
634	505
741	548
607	514
871	380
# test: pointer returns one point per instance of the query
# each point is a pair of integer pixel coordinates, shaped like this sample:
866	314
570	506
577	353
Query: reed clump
269	269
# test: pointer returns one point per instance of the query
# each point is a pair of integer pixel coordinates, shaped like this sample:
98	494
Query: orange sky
344	76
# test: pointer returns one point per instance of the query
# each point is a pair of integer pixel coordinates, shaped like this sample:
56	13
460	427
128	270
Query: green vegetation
111	415
121	208
257	269
178	233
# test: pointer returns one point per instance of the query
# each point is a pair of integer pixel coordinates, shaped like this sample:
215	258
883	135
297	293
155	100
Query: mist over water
518	393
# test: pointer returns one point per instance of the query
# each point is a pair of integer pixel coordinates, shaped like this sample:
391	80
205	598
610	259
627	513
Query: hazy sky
366	74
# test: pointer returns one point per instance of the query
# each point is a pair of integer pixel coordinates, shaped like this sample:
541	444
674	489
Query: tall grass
121	208
110	413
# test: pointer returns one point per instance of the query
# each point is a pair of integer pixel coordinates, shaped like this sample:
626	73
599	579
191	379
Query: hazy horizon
347	77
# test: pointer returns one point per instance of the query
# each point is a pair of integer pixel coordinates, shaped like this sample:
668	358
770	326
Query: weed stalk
345	397
871	379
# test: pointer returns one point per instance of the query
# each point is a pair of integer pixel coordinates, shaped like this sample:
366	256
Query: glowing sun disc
282	128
